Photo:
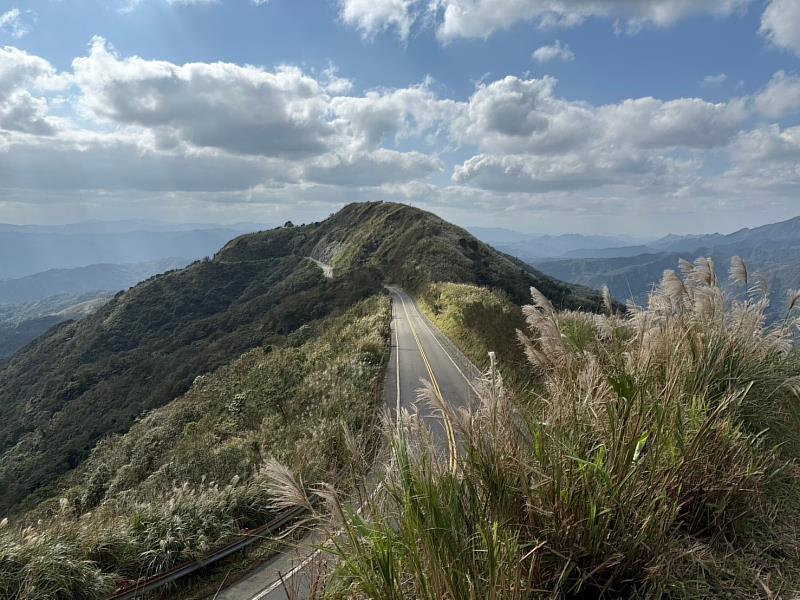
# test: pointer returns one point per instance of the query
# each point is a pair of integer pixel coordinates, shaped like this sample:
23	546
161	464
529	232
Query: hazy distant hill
529	246
82	279
87	379
26	251
773	249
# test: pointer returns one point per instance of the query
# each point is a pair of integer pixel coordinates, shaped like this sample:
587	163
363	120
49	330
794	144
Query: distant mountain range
31	305
80	280
26	250
529	247
629	273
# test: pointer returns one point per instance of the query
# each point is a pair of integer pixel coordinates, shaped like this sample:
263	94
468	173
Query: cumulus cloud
780	24
514	115
373	16
370	119
480	18
555	51
780	97
240	109
82	161
532	140
212	127
227	131
20	74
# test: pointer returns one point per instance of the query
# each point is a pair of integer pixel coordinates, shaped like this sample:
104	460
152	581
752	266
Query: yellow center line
448	426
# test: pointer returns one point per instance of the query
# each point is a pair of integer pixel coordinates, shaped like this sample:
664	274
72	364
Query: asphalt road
419	353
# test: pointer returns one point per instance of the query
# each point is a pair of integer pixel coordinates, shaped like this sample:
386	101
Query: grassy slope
191	474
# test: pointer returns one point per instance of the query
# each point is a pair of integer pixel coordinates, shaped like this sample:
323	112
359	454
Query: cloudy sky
606	116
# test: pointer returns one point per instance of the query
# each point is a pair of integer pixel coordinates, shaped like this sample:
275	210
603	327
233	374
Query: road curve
420	352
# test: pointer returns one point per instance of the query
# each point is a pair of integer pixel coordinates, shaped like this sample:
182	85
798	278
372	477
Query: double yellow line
448	425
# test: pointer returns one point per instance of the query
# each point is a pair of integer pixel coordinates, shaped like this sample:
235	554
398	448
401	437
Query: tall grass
657	460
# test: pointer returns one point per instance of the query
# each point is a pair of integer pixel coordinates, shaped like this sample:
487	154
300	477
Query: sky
637	117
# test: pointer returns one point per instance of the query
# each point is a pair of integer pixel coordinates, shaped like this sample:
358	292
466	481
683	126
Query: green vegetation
64	393
658	460
191	474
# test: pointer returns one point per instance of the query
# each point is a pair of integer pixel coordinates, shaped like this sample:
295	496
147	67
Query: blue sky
593	116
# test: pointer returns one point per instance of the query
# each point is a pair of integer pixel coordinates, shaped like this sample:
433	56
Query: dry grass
657	461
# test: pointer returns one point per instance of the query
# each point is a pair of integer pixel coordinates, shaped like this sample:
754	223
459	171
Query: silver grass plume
738	272
685	266
607	303
761	286
281	484
703	272
794	300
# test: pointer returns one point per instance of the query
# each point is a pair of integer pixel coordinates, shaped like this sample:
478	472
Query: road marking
448	426
436	338
397	360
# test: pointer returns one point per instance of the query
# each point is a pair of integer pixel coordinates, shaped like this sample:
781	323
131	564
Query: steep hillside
189	476
84	380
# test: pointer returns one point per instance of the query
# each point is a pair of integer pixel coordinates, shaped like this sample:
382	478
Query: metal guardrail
139	588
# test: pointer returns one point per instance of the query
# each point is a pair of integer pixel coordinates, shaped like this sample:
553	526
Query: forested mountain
87	379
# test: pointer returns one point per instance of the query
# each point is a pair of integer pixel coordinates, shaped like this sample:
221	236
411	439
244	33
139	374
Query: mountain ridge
85	380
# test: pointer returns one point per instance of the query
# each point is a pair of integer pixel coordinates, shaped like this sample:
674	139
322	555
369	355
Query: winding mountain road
419	353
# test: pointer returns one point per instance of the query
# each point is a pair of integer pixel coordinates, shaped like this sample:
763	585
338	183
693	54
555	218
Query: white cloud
238	134
239	109
780	24
374	168
372	119
11	21
373	16
780	97
769	143
85	161
555	51
533	141
20	74
714	80
512	116
480	18
195	2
